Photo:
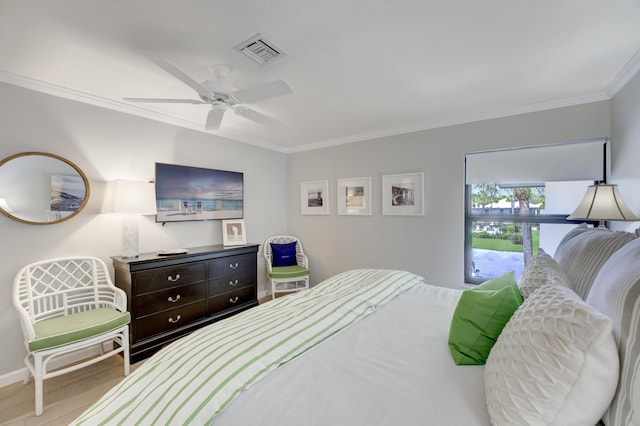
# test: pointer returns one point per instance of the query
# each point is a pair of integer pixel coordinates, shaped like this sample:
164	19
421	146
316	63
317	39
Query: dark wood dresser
170	296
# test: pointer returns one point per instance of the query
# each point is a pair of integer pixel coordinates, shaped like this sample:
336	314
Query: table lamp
131	199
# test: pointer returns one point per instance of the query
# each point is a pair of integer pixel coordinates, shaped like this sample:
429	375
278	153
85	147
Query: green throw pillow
506	280
478	320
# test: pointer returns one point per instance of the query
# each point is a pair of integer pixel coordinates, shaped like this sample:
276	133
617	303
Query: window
517	201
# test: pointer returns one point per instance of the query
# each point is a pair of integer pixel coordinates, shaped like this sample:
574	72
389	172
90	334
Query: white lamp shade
130	197
603	202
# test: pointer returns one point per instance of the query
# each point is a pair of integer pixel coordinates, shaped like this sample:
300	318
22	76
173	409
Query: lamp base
130	237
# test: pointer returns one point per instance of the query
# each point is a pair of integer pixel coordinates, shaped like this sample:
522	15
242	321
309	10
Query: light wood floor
65	397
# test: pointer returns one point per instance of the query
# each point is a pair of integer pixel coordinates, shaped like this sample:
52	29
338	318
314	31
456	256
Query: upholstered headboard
604	269
583	251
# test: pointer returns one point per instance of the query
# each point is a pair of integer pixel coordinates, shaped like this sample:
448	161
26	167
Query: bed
373	347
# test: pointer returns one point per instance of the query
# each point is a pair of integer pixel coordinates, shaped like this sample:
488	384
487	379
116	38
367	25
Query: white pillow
555	363
540	270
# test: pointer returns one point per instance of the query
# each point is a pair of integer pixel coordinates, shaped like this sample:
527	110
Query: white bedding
391	368
366	347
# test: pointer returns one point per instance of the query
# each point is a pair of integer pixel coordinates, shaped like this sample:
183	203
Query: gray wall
109	145
429	245
625	151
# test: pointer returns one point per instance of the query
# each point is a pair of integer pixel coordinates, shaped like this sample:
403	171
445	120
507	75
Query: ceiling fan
222	96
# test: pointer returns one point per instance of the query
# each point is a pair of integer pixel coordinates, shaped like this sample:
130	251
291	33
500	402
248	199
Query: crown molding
99	101
453	121
621	79
624	76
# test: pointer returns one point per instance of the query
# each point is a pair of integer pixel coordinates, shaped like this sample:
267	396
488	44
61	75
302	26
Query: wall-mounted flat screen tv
185	193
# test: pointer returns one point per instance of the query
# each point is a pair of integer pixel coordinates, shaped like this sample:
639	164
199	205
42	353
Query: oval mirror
41	188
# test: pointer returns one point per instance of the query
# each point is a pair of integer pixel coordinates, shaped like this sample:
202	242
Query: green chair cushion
75	327
292	271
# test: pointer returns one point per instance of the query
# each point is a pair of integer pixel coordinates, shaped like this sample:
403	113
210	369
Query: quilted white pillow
555	363
540	270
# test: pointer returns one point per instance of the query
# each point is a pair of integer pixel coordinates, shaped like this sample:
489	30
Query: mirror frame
57	157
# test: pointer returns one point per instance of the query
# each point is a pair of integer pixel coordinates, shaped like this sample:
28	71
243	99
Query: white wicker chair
286	279
66	305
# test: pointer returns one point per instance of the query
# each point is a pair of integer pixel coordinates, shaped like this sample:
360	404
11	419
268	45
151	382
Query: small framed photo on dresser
233	232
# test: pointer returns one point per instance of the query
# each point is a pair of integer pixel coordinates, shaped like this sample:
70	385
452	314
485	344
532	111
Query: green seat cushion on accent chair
481	314
292	271
75	327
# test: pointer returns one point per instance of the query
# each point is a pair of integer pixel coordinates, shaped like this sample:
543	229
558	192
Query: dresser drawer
232	299
231	264
172	319
169	298
160	278
232	282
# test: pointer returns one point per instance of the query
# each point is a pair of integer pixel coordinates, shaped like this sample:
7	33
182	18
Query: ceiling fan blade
258	117
263	91
179	74
214	118
167	101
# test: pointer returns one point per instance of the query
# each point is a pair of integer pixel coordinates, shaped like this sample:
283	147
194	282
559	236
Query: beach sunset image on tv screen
186	193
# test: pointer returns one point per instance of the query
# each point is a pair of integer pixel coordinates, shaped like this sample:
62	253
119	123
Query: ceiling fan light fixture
222	96
260	49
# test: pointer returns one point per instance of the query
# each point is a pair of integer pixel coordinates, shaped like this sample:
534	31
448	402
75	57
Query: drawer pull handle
234	300
172	300
234	282
170	278
173	321
233	265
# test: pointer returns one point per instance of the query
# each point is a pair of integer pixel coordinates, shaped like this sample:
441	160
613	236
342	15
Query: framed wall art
314	197
233	232
403	194
354	196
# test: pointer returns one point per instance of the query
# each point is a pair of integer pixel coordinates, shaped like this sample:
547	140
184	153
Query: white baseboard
19	375
13	377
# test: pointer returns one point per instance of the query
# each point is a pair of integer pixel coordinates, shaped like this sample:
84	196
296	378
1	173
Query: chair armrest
120	299
26	324
268	263
302	260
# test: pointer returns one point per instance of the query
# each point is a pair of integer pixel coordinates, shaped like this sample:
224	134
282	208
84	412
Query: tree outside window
506	223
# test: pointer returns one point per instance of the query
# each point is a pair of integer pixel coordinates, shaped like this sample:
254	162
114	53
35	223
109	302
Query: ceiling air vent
260	50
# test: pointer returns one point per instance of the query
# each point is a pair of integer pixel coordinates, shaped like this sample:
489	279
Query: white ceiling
359	68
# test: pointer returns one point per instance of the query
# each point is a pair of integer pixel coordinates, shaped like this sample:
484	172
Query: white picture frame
314	197
403	194
233	232
354	196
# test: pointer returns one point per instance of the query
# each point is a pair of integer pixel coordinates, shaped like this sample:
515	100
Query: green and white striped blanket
198	376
